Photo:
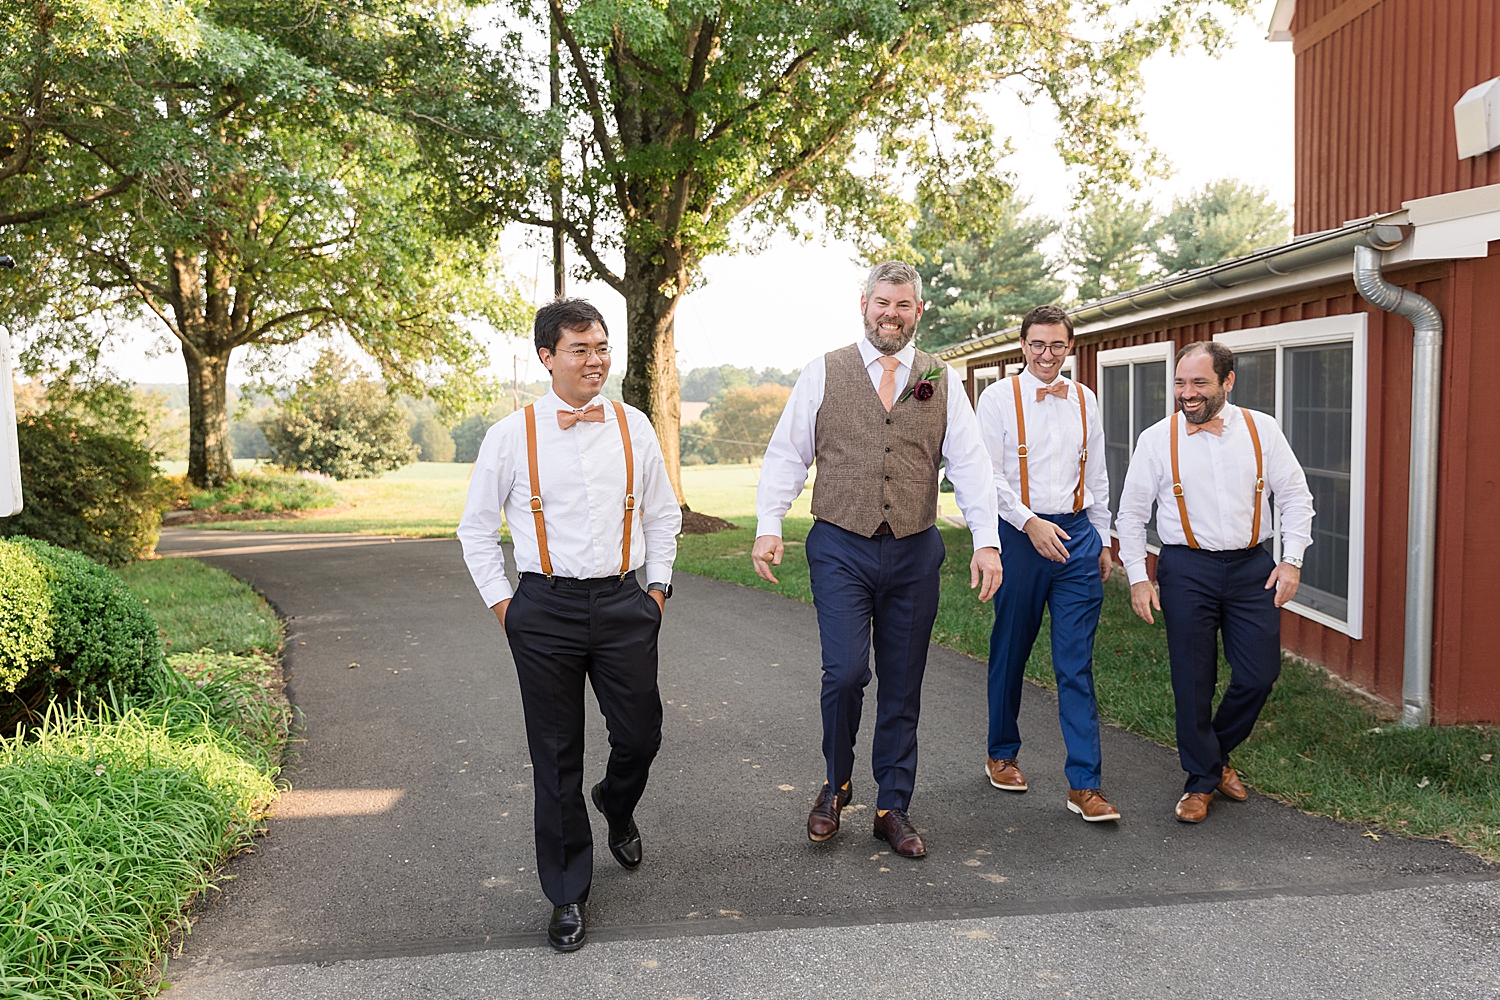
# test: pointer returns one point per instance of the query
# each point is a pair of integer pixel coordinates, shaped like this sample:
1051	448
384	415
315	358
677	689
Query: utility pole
515	385
559	273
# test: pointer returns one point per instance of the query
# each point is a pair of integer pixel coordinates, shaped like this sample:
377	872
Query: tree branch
585	247
794	69
37	214
596	107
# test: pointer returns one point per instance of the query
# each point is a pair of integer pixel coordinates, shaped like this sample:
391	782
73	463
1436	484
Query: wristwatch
665	589
1294	563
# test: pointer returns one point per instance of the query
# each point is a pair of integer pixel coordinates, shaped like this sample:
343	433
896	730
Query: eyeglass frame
601	352
1056	350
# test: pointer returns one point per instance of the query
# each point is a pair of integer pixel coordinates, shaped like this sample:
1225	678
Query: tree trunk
652	292
210	463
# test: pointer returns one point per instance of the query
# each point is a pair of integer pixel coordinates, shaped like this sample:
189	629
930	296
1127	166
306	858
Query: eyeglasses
602	353
1037	347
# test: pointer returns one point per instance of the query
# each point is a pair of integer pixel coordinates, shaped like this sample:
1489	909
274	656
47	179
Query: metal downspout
1421	517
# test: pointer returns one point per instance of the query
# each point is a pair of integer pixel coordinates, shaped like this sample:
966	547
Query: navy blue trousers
891	583
1205	595
1074	594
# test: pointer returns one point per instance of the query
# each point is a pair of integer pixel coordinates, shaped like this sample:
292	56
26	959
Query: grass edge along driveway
1315	746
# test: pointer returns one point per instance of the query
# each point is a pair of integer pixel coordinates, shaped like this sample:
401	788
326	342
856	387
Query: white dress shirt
582	476
1218	483
1054	442
783	473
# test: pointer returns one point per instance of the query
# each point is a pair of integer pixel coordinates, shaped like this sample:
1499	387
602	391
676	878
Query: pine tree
1226	218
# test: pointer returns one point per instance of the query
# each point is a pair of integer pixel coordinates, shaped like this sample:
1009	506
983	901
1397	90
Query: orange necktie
593	414
888	382
1058	388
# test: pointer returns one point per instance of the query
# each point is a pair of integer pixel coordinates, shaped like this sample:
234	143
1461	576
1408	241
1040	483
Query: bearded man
878	417
1212	471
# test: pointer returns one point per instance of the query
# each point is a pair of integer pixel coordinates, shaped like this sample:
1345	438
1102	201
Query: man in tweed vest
878	416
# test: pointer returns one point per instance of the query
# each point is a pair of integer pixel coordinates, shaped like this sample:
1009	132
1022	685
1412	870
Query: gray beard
887	345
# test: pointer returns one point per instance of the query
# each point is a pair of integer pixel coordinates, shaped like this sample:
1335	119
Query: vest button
887	478
888	449
887	506
887	419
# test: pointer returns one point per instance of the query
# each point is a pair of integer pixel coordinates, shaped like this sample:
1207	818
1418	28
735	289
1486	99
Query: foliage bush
87	490
104	642
433	440
339	423
736	427
25	616
265	492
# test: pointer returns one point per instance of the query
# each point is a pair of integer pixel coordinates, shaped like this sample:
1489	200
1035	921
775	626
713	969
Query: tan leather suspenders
536	487
1083	458
1260	482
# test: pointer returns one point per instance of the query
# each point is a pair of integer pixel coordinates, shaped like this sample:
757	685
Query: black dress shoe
624	838
566	932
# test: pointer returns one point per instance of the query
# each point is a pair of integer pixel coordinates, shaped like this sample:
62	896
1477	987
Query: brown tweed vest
875	466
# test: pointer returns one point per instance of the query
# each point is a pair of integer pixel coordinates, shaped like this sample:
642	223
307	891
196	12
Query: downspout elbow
1421	517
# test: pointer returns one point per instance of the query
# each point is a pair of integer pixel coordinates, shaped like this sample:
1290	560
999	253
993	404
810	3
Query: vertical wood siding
1374	105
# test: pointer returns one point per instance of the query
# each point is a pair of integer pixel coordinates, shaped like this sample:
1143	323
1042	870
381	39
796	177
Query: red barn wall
1376	83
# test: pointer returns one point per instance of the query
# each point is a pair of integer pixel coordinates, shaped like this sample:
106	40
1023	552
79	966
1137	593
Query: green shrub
103	638
339	423
265	492
87	490
25	616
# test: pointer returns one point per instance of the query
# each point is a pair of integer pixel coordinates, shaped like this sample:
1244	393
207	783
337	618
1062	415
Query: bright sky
1213	118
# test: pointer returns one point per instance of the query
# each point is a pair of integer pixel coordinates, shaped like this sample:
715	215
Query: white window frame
1162	350
990	373
1351	328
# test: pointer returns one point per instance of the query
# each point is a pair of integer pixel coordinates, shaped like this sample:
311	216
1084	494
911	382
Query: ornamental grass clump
109	825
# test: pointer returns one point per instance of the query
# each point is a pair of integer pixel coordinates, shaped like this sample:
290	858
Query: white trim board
1353	328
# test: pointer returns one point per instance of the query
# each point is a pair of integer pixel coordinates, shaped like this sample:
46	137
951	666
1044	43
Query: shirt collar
553	401
869	352
1030	381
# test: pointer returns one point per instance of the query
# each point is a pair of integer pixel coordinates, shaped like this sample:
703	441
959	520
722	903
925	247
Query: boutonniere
923	388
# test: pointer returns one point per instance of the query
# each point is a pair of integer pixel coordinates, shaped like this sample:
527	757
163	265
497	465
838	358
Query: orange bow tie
593	414
1058	388
1214	426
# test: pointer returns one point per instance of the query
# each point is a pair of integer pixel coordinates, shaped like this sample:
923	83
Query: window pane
1115	407
1255	381
1150	402
1320	423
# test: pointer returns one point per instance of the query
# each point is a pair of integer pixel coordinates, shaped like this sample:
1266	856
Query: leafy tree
272	199
433	441
1109	241
701	385
987	282
469	435
339	423
682	123
739	423
1226	218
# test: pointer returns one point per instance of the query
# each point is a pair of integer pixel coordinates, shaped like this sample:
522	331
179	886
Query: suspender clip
1260	486
1085	456
536	505
630	501
1021	451
1177	489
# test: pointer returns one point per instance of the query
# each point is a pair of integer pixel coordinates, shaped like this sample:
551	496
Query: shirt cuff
1293	550
1135	572
768	525
986	538
659	573
494	593
1020	516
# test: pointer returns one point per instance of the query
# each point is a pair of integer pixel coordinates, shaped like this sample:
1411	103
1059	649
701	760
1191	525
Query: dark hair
564	314
1222	356
1047	315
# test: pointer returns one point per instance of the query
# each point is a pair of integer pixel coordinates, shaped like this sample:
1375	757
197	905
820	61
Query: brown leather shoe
1091	804
1193	807
1005	775
823	821
1231	787
895	829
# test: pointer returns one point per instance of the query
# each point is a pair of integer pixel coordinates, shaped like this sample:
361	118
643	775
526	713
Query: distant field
426	499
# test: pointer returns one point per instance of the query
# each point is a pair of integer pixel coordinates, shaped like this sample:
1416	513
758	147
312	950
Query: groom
878	416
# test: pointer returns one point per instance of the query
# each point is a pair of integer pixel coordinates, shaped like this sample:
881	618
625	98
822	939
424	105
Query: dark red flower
924	390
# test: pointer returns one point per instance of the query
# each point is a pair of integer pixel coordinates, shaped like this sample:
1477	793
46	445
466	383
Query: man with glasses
1045	436
878	416
584	489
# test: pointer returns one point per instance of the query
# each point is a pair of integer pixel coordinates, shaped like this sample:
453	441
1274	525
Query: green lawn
199	606
1314	747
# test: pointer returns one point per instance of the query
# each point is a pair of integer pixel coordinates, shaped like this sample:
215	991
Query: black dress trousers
560	631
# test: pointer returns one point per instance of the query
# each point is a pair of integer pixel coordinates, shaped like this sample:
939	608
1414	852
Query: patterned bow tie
1214	426
593	414
1058	388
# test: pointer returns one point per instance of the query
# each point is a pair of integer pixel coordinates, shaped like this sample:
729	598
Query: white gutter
1421	511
